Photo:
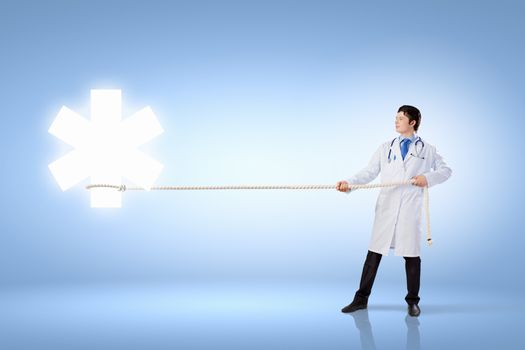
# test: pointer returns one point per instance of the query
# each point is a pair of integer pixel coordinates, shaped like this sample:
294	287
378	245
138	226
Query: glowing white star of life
105	147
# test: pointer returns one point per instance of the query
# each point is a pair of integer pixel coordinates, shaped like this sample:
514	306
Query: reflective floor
239	316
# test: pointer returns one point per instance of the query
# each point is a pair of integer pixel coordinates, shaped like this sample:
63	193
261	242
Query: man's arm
441	171
369	172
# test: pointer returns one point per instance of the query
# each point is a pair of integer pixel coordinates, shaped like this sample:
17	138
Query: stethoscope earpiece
412	154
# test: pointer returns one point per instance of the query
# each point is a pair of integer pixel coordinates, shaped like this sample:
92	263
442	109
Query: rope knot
122	188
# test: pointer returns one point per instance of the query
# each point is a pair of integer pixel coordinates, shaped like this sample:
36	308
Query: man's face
403	123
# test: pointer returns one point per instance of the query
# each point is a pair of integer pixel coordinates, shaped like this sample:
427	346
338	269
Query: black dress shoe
413	310
354	306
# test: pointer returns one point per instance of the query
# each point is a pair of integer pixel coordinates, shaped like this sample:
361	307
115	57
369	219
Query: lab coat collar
412	138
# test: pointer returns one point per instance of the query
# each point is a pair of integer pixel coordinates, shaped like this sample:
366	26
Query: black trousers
413	276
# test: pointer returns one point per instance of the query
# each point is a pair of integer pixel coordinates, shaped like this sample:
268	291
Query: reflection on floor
366	335
249	316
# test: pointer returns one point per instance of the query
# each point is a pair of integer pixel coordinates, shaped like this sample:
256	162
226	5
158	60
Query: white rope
123	188
427	213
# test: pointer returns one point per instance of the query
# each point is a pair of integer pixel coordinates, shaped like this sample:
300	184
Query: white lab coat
398	211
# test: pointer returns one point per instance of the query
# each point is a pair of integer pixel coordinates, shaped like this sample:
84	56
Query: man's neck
408	134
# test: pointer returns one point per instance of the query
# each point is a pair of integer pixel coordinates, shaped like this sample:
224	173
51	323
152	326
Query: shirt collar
414	136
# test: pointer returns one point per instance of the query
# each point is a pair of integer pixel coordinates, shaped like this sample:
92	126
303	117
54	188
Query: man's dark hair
412	113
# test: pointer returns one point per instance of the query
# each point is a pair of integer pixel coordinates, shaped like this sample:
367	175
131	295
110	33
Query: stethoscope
417	155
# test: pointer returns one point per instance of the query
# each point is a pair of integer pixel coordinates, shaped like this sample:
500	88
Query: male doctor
397	223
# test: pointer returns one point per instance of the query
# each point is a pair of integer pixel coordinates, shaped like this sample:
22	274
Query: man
397	223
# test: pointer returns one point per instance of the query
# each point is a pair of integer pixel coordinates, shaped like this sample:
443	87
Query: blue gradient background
261	92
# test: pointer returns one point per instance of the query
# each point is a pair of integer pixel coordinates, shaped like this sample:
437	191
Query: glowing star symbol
105	147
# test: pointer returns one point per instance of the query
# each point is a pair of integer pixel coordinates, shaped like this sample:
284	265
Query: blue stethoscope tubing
415	146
